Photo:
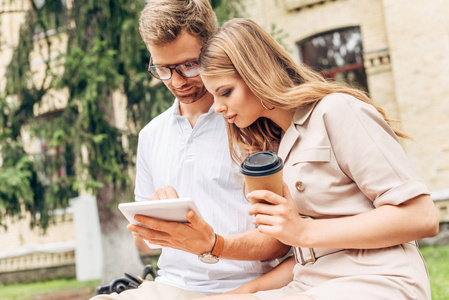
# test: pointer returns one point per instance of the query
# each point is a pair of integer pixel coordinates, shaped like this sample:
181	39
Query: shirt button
300	186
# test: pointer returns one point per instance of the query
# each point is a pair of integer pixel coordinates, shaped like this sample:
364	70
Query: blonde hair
161	21
243	48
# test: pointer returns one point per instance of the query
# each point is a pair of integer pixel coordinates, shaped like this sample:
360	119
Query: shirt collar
175	107
292	134
303	113
176	112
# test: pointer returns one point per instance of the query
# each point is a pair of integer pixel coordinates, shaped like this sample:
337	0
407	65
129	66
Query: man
184	151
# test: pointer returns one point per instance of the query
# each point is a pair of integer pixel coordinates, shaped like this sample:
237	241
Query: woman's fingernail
248	195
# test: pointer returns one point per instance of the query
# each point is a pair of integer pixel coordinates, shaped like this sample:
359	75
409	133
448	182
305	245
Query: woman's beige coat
341	158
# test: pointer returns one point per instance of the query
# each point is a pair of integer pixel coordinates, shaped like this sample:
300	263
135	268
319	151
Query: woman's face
234	99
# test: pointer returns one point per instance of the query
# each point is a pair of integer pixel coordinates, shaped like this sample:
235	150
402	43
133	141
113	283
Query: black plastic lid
262	163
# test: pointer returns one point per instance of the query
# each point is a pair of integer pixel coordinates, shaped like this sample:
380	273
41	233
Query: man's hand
198	237
167	192
195	237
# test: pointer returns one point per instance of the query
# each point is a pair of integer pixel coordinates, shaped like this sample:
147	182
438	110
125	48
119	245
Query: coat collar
292	134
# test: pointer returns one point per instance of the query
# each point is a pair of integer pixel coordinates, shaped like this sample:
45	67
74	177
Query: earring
263	104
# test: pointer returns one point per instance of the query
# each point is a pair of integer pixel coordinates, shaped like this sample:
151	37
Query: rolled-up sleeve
368	151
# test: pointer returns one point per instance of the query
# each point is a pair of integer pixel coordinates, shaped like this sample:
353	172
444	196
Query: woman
353	206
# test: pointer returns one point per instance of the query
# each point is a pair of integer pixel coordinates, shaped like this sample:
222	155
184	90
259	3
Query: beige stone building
405	58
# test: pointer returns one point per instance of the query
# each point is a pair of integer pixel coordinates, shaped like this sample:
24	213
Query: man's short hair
162	21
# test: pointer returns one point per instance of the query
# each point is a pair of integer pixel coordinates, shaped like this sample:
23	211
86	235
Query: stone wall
406	56
18	234
418	37
37	267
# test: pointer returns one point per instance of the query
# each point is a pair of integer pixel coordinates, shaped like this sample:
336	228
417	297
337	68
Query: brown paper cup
262	171
271	183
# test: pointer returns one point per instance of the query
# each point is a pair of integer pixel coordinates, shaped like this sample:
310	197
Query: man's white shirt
197	163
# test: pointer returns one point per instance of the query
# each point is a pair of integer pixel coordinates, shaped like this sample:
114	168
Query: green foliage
83	136
280	35
437	260
19	186
228	9
54	289
105	55
15	185
18	69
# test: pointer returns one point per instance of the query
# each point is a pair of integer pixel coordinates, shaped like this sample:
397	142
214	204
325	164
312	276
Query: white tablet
174	210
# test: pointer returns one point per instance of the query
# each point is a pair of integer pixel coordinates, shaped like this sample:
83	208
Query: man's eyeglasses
187	70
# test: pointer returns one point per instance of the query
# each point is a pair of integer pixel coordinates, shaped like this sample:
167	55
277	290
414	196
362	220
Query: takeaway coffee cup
263	171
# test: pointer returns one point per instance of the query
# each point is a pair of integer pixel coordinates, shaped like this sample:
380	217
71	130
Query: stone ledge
376	58
36	261
297	5
40	274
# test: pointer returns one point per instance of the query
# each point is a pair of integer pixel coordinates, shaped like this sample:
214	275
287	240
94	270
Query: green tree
104	56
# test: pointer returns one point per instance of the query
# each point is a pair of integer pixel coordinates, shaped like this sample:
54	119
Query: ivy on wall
104	54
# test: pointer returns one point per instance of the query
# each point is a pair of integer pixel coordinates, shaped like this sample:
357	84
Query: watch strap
217	249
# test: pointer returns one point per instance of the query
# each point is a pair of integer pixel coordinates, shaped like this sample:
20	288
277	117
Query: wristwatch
213	256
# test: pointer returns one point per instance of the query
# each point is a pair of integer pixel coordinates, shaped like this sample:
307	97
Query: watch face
208	258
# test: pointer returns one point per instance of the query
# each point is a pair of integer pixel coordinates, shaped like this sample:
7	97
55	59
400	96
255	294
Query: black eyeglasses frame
171	68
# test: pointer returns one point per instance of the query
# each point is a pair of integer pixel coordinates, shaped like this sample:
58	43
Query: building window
337	55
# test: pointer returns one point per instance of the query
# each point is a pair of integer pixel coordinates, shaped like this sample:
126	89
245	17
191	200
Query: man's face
186	48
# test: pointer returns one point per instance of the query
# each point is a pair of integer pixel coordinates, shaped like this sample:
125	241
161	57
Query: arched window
337	55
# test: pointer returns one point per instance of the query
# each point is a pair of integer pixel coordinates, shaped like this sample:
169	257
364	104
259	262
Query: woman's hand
279	218
394	224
